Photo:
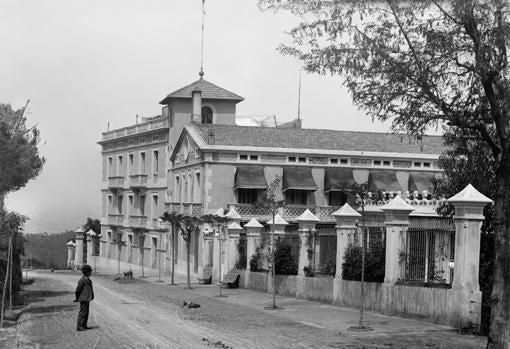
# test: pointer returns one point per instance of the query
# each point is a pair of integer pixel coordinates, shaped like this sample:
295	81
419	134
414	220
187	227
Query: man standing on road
84	294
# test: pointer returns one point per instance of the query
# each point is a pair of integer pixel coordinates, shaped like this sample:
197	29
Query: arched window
207	115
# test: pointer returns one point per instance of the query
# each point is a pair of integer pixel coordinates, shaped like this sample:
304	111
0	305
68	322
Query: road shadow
41	295
51	309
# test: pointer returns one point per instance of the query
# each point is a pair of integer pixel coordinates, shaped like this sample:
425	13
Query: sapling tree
271	202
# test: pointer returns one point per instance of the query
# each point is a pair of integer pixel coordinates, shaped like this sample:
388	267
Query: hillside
48	249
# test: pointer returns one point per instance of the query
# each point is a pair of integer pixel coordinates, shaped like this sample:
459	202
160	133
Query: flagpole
202	48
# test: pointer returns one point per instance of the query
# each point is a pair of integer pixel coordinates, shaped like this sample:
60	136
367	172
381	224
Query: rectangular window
155	206
119	204
130	208
344	161
177	189
333	161
417	164
292	159
131	163
426	164
110	166
142	205
243	157
377	162
197	187
302	160
110	203
142	162
247	196
254	157
337	198
386	163
296	197
120	169
155	162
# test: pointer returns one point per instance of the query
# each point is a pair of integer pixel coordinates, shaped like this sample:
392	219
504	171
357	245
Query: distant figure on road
84	294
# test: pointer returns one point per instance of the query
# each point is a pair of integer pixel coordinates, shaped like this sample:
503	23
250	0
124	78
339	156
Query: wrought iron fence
429	250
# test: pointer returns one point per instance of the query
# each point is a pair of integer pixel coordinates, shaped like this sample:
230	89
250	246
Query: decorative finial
201	73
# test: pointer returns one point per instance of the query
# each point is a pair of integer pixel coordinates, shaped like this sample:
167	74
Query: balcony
289	212
186	208
115	182
138	181
154	124
116	220
137	222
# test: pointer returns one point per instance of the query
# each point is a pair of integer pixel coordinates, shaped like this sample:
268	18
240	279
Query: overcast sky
84	63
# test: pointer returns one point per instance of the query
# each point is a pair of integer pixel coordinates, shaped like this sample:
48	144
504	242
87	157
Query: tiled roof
248	136
209	91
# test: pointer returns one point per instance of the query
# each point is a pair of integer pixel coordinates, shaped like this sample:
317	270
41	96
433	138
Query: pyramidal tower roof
208	90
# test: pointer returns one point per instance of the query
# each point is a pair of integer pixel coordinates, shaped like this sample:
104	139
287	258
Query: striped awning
250	177
298	178
338	179
385	181
420	181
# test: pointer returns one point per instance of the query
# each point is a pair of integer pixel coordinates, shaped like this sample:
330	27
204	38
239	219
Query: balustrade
137	221
149	125
186	208
138	181
116	219
115	182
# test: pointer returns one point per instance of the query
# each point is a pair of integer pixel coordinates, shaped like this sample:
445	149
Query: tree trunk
500	316
173	253
188	243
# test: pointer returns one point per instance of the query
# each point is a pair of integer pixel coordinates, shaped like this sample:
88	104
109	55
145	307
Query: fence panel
325	261
429	250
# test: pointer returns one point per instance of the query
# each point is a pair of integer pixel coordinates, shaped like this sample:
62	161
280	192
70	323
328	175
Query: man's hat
86	268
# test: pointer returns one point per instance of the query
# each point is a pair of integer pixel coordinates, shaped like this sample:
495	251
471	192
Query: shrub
374	264
329	268
283	259
241	250
257	260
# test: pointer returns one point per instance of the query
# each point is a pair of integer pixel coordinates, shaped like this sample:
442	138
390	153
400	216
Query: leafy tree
19	155
272	203
173	219
467	161
421	64
95	225
188	225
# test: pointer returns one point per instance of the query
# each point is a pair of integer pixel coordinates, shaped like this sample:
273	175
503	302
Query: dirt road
138	314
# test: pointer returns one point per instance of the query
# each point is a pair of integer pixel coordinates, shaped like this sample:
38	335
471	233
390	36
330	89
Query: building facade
194	159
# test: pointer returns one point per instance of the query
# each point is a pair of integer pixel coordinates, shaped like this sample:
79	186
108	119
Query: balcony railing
187	208
159	123
137	221
249	211
115	182
116	219
138	181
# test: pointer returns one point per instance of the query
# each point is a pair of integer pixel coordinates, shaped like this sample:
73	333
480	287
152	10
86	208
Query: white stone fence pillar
346	218
78	255
466	295
70	254
307	221
397	221
234	236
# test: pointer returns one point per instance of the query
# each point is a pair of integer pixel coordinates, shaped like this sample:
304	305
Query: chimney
196	101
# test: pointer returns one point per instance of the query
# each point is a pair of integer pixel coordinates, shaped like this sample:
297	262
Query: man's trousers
83	314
